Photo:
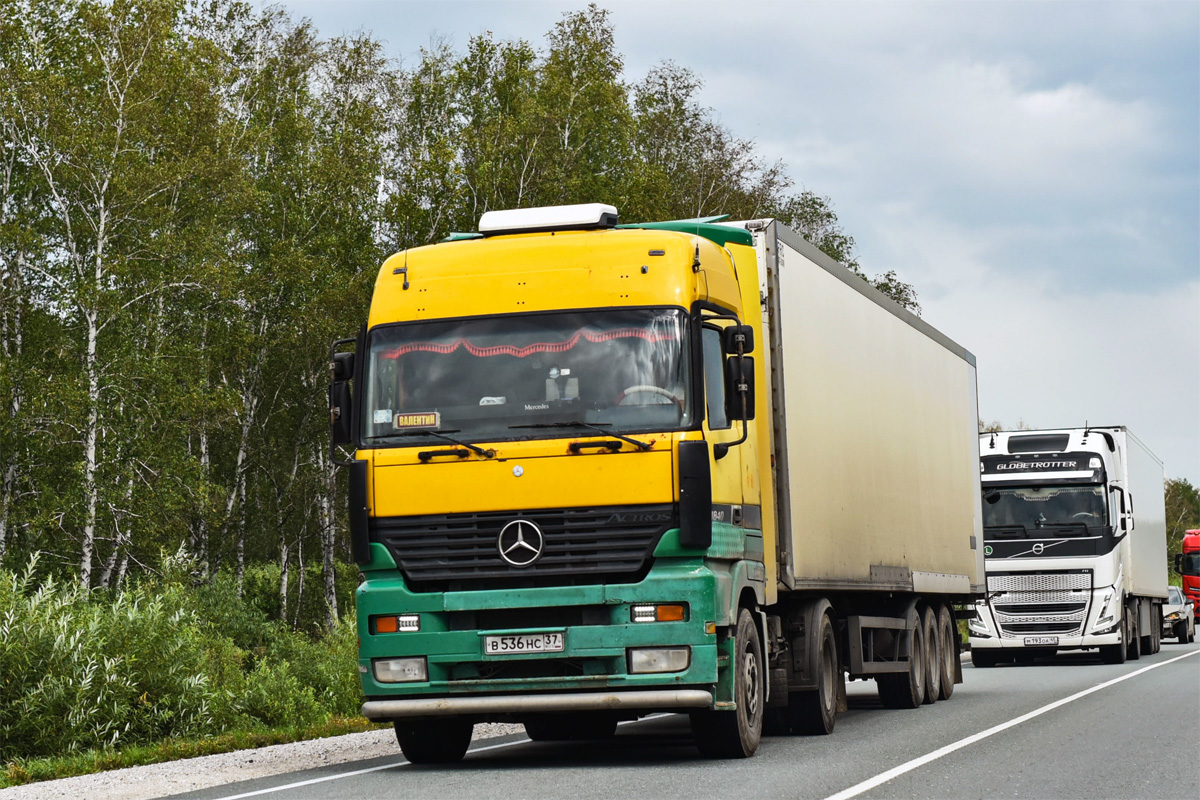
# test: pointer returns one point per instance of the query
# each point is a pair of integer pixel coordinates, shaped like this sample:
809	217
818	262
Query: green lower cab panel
548	639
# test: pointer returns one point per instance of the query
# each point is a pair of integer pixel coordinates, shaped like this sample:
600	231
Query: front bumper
1064	642
671	700
591	672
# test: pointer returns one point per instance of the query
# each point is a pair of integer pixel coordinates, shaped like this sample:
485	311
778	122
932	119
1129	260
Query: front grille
1040	608
1060	607
1039	581
448	552
1017	629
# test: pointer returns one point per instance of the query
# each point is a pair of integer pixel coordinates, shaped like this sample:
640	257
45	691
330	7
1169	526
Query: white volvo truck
1075	545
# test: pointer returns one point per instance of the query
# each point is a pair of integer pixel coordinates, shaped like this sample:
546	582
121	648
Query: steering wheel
648	388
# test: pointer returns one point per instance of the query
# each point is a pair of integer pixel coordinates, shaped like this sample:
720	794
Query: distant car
1179	616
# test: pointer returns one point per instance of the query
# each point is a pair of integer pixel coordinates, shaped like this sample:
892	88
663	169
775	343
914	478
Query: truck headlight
401	670
397	623
977	627
1107	620
662	612
659	659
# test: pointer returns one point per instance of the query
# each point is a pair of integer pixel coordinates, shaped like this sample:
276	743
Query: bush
83	670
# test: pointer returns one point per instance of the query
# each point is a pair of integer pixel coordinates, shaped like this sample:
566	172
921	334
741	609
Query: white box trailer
876	482
876	423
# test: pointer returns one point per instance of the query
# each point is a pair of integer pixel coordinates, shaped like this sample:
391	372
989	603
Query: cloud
1052	358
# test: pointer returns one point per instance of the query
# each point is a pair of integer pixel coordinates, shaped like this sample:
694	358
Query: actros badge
520	543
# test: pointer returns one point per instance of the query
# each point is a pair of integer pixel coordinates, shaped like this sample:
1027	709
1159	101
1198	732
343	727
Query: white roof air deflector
548	218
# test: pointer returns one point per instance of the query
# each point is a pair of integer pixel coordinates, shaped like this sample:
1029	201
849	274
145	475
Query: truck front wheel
434	741
736	734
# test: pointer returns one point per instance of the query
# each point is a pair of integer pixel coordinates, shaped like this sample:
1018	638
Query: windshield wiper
614	434
403	434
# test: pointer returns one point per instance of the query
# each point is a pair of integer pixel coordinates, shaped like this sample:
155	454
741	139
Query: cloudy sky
1032	168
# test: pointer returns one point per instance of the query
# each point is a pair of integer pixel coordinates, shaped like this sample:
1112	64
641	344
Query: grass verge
22	771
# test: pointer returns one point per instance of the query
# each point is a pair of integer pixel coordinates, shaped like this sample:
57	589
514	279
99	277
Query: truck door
727	496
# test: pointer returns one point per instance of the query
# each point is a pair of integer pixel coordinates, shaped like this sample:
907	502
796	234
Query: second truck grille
1040	603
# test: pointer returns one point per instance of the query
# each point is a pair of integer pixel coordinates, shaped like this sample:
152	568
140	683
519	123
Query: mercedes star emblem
520	543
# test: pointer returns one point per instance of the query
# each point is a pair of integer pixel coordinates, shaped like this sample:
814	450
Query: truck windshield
1066	508
1190	564
496	378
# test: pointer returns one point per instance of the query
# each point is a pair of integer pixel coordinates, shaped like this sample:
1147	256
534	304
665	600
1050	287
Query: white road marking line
895	772
385	766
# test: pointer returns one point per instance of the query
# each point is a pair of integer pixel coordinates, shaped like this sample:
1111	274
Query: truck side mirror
1179	563
339	412
739	386
737	339
341	367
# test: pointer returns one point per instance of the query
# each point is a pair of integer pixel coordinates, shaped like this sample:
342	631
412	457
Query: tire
814	712
933	656
1152	641
1115	653
565	728
736	734
985	659
1181	632
907	689
1133	649
434	741
948	642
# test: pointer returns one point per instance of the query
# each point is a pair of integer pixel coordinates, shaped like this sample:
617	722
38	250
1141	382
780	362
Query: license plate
1040	641
524	643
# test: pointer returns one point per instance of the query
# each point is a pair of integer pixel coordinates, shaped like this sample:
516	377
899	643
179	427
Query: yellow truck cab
562	495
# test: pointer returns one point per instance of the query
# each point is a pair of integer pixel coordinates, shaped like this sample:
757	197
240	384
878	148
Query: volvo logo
1038	549
520	543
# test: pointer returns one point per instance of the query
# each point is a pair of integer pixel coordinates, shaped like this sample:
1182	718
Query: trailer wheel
815	712
933	656
434	741
736	734
948	645
563	728
1151	640
907	689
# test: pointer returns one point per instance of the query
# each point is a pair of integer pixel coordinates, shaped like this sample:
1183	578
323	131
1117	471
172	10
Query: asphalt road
1070	728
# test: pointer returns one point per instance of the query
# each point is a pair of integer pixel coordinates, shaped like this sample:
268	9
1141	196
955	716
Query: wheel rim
750	672
917	659
948	648
827	669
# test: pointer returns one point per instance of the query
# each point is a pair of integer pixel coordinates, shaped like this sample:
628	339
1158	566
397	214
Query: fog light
400	670
659	659
400	623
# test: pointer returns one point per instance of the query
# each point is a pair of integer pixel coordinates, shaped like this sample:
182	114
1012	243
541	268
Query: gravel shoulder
176	777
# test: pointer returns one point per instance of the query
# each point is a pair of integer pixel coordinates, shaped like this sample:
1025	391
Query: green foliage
81	671
1183	513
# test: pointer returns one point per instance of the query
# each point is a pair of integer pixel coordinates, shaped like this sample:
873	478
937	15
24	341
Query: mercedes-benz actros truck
602	471
1075	545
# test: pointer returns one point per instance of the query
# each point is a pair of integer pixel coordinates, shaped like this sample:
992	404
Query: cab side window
714	378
